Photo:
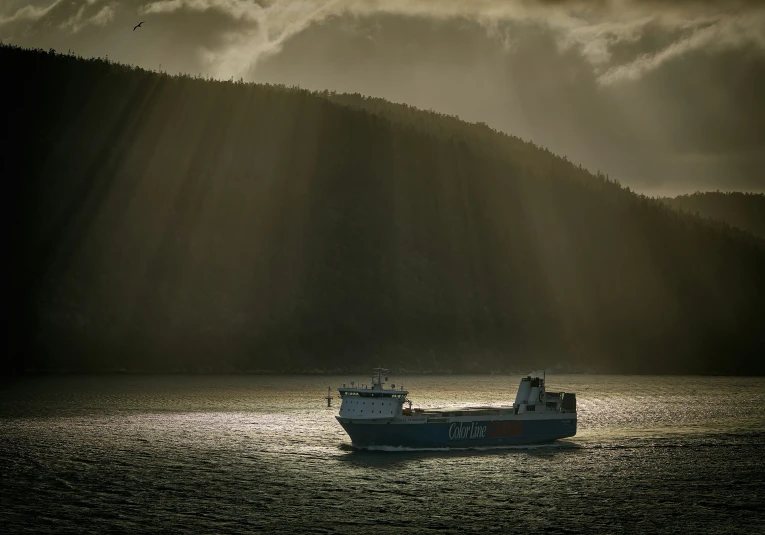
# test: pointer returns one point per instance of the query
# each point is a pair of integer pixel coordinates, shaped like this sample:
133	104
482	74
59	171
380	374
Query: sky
668	97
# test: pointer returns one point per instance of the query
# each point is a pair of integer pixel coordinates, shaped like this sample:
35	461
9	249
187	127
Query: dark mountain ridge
742	210
173	223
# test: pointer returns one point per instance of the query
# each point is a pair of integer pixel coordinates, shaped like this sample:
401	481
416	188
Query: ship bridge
372	401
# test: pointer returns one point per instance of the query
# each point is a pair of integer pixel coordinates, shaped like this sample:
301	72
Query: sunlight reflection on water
264	454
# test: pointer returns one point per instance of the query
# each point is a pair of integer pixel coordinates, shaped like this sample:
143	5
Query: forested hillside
743	210
172	223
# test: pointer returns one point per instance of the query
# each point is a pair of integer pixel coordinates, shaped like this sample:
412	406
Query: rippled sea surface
255	454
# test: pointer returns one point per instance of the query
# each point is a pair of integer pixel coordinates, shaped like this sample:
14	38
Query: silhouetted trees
174	223
743	210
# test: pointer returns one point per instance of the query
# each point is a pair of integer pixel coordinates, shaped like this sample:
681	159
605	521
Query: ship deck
465	411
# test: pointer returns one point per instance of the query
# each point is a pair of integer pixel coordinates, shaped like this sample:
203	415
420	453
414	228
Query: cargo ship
379	416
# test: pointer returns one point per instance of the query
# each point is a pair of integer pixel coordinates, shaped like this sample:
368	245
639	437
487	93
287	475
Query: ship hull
456	434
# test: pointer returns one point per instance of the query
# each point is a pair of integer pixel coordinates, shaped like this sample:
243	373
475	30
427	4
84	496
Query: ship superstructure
375	416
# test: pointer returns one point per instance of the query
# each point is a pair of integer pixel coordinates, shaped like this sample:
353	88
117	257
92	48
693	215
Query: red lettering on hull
505	428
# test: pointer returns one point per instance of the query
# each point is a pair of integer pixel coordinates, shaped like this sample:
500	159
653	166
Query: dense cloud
664	96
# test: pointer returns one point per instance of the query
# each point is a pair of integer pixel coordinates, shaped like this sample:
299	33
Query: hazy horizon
664	98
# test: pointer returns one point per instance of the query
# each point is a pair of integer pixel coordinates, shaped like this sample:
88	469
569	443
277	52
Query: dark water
264	455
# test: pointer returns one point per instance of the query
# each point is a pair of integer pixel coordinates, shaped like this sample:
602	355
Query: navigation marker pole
329	396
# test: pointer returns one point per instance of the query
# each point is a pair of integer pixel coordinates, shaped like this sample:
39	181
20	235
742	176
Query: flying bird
138	25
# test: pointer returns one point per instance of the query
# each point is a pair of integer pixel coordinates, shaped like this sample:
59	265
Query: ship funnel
523	391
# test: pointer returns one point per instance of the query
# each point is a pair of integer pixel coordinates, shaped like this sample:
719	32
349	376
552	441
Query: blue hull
483	433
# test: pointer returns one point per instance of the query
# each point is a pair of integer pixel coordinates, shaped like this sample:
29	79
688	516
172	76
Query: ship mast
378	381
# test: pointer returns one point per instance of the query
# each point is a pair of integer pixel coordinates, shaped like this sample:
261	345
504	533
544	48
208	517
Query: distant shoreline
356	372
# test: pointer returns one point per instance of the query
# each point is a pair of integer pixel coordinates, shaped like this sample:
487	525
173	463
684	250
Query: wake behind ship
375	416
